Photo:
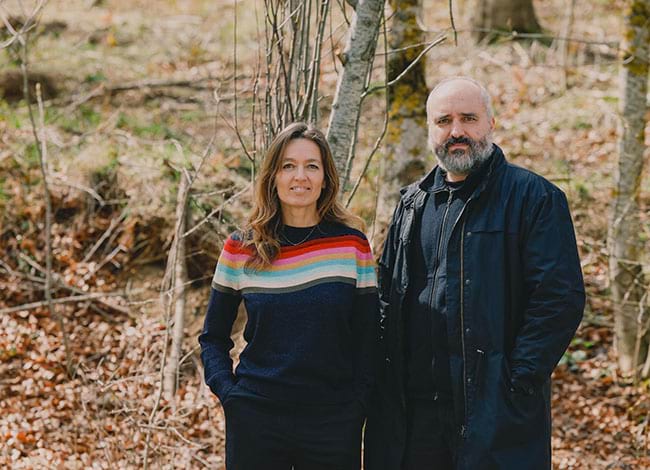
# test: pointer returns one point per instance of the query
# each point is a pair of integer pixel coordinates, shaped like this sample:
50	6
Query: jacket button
469	380
467	282
387	360
467	330
468	234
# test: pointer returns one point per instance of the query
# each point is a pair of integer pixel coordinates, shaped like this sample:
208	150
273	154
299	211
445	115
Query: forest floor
131	98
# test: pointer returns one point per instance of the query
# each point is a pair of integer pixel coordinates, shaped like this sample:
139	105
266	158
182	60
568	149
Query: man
481	292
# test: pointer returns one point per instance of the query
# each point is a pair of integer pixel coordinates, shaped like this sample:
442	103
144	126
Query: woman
307	279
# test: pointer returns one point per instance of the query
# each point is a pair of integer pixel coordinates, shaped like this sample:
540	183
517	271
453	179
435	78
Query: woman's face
300	179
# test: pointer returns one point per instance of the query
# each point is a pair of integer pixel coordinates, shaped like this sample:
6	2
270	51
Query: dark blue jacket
515	297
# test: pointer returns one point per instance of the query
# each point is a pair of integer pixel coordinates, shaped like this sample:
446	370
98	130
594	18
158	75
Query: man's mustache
458	140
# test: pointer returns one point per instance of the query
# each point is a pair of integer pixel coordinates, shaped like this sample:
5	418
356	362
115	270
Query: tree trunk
357	60
493	16
625	245
406	137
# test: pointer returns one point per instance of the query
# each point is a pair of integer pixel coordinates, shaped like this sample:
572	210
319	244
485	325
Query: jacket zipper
463	427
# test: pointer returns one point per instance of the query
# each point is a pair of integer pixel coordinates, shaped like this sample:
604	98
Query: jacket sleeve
215	338
554	289
385	270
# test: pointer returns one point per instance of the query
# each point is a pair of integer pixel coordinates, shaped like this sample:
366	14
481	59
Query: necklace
284	237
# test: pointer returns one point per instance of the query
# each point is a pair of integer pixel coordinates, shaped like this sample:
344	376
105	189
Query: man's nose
457	129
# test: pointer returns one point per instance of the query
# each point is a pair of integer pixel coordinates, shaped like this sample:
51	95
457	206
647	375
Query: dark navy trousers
265	435
432	436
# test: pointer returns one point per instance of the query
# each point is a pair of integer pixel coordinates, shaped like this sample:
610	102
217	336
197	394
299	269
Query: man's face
460	131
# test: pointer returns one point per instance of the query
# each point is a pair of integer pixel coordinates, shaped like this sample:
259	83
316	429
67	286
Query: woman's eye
313	166
287	166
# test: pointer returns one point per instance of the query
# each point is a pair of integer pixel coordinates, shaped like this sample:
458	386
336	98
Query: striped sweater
311	322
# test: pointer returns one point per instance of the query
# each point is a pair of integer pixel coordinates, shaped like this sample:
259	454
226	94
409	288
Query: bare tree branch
407	69
41	146
62	300
453	25
28	25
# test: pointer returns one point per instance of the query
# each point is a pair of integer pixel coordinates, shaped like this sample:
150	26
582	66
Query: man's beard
464	162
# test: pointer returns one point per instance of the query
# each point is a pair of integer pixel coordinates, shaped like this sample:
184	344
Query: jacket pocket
521	404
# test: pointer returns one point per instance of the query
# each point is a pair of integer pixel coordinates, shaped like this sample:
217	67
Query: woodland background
138	98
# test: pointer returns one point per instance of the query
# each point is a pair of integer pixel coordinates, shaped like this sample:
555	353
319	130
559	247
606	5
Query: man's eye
442	121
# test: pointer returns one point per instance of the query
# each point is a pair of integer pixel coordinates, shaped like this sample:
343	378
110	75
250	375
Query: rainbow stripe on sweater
343	258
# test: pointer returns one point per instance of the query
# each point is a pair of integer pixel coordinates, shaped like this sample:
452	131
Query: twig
61	300
453	25
406	70
41	146
107	89
27	27
191	351
218	209
63	285
60	181
100	265
516	35
173	429
19	274
564	45
105	235
369	159
236	126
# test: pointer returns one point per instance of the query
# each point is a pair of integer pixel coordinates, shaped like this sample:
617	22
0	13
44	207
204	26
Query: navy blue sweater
311	318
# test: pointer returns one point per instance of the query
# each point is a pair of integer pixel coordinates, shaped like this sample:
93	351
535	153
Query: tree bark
406	138
493	16
625	245
357	59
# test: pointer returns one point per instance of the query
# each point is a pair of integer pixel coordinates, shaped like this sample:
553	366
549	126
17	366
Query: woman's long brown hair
262	230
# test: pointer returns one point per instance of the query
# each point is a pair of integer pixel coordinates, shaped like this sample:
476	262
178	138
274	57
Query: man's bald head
446	82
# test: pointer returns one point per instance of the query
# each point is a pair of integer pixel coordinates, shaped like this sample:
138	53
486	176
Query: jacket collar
434	181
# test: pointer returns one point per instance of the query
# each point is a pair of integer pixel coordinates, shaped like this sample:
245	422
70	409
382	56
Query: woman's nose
300	172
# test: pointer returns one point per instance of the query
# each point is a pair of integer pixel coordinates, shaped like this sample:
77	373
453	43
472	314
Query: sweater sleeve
365	321
215	340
